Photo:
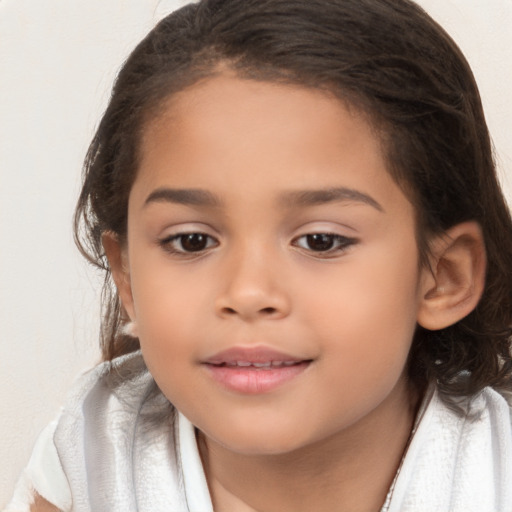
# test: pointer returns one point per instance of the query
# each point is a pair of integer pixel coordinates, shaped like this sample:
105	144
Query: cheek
367	327
168	308
168	334
369	309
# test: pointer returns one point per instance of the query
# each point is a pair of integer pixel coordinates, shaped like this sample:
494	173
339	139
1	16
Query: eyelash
338	244
333	244
169	242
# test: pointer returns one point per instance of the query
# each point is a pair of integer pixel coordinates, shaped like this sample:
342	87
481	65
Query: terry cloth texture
119	446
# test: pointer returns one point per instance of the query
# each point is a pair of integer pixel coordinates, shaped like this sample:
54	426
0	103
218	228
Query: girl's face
271	265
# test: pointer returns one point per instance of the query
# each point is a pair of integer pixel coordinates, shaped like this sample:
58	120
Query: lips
254	370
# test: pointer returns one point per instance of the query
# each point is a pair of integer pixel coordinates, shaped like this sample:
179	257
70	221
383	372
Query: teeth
266	364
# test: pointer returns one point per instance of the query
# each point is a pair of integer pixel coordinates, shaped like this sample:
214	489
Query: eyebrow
186	196
295	198
329	195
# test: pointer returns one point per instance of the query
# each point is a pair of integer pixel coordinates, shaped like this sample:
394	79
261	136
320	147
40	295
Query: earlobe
451	288
118	261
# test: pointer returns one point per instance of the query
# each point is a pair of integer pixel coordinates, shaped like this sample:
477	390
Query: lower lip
252	380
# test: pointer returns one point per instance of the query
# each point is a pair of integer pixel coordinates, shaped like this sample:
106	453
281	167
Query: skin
332	437
41	505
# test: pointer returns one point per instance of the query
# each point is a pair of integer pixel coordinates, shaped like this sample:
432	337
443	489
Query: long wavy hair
388	59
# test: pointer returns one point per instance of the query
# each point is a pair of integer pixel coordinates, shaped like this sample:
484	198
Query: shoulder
115	423
488	406
115	417
460	457
125	380
98	417
498	407
108	401
121	387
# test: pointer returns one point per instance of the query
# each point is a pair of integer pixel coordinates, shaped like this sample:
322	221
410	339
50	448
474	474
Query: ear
118	260
451	288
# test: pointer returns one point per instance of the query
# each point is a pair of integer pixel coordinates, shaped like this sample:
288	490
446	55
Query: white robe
111	451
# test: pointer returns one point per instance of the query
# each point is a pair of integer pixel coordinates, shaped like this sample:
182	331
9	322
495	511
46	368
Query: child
296	200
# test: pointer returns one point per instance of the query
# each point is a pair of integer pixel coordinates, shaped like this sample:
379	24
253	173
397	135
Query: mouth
251	365
254	370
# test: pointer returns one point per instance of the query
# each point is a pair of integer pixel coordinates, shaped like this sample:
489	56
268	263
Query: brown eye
192	242
186	243
320	241
328	243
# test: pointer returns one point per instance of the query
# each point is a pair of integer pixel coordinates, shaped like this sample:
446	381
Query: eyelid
344	244
167	242
185	228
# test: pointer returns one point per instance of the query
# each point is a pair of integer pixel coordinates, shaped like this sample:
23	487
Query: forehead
267	136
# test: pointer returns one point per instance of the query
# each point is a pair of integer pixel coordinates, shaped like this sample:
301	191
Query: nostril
264	311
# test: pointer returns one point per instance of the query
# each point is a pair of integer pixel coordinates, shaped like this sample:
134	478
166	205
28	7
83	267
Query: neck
351	470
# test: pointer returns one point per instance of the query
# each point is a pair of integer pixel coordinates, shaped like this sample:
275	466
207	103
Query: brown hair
387	58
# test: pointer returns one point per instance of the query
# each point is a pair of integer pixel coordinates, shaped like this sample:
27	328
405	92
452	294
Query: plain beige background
57	62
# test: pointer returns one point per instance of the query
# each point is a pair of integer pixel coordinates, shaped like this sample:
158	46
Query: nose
253	288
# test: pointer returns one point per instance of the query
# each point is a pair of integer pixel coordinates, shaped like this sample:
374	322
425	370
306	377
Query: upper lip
257	354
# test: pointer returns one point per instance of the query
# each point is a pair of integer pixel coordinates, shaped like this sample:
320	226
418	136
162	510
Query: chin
260	439
267	447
